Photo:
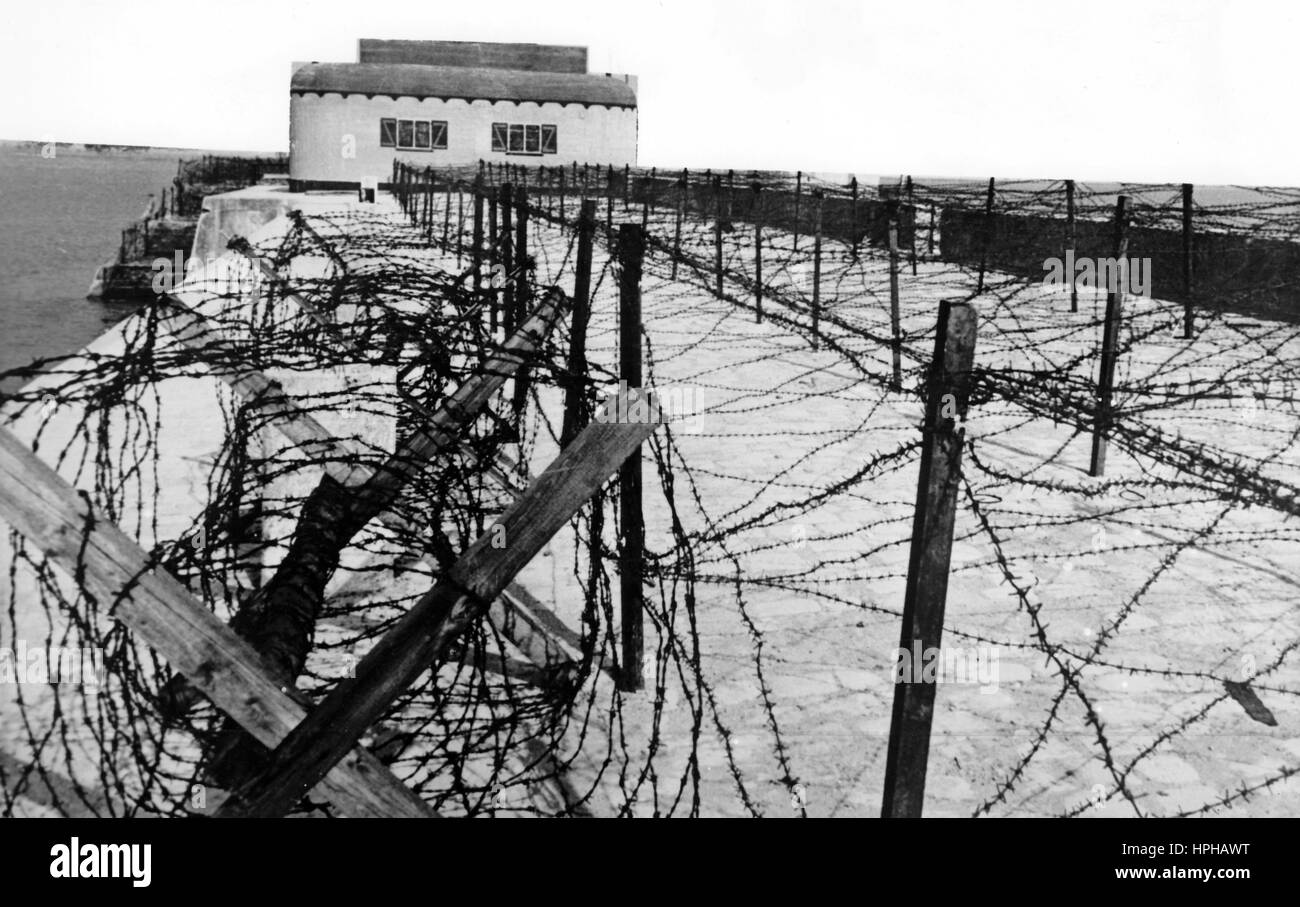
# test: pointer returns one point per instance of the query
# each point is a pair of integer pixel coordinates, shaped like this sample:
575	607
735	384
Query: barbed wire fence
369	320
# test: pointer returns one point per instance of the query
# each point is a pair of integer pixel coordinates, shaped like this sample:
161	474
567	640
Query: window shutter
440	134
548	140
498	136
387	133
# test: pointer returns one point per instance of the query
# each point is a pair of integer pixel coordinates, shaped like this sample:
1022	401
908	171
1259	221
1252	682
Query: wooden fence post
562	194
988	236
817	266
911	206
1110	340
609	202
446	217
631	550
853	217
929	243
798	196
493	250
1189	314
757	211
1068	256
476	242
717	233
521	292
575	393
896	344
947	395
460	222
505	255
677	227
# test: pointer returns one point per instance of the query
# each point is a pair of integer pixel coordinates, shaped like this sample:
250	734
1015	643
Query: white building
446	103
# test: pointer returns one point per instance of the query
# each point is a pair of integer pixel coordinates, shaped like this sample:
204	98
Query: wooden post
1068	256
757	211
631	549
562	194
609	202
896	343
476	242
677	227
649	190
817	266
505	255
493	250
460	222
988	236
911	206
1110	341
423	634
521	294
427	196
446	218
575	399
627	183
717	233
853	218
798	195
929	249
1189	314
931	553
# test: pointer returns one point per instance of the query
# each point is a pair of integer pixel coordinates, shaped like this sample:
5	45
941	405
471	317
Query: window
413	135
521	138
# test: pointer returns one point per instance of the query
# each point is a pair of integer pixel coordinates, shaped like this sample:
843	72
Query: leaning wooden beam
38	503
452	606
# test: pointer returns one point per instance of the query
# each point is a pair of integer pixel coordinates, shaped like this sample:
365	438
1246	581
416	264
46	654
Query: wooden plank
38	503
450	608
931	553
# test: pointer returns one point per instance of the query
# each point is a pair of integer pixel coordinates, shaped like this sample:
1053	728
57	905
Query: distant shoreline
106	148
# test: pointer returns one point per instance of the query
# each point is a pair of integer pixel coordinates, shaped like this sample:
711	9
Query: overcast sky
1141	90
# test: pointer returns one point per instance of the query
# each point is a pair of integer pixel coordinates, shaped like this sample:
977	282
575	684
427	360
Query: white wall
319	127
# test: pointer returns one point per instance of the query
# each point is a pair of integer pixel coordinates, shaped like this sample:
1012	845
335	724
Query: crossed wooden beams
60	520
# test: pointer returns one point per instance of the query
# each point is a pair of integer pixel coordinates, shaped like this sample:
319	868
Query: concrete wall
319	127
1251	275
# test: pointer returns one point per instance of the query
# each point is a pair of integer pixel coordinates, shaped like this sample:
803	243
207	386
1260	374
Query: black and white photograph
576	409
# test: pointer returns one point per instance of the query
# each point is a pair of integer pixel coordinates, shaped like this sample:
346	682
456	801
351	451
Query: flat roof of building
468	83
